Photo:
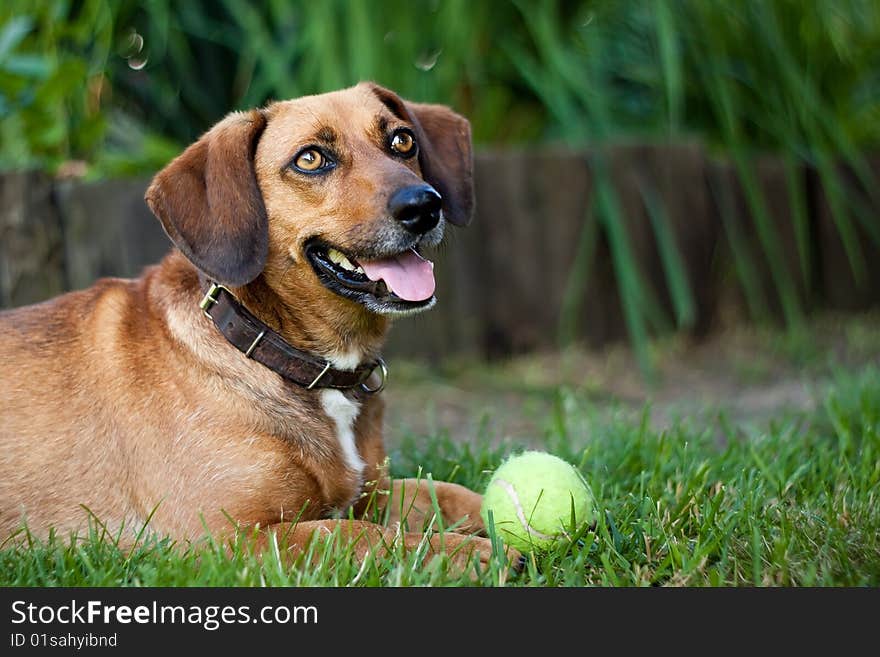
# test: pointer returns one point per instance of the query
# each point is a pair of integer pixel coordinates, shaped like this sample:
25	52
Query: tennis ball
532	497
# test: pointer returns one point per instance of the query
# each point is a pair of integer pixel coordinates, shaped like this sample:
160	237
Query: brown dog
297	228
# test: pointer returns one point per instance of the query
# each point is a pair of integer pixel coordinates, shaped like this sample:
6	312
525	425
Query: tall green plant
206	58
53	57
791	77
571	79
796	86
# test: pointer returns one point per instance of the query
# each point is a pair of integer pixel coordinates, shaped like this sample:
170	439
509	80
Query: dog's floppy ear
209	202
445	151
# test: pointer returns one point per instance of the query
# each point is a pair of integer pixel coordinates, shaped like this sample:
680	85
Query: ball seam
520	514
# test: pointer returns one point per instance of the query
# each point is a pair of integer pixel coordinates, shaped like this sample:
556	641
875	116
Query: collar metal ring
383	377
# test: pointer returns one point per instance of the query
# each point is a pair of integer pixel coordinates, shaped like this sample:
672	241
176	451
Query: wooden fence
506	283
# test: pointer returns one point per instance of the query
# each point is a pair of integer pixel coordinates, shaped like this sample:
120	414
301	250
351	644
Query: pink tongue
408	275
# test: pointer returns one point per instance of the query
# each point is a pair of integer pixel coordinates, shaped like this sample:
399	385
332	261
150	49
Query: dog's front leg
410	503
365	538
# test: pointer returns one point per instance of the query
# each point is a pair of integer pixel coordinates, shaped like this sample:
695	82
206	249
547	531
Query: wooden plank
726	188
672	177
839	287
109	230
31	240
533	205
501	281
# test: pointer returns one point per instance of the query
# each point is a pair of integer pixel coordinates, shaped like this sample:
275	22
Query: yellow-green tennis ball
532	497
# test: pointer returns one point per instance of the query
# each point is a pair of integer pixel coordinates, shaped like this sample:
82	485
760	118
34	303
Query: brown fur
124	398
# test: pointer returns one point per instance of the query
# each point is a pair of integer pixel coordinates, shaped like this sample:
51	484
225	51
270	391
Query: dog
239	379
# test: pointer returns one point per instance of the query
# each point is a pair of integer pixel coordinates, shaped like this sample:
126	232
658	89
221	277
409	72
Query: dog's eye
403	143
311	160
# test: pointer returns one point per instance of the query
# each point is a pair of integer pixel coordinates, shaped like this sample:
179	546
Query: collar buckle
210	297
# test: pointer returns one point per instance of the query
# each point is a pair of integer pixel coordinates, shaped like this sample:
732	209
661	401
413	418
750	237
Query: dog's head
331	195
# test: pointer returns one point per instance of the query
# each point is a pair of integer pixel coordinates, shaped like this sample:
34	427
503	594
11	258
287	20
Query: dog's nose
416	207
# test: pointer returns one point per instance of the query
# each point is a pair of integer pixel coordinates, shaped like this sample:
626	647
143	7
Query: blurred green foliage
800	78
124	84
51	72
57	103
81	78
206	58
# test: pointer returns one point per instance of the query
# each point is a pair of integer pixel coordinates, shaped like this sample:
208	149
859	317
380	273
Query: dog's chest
343	412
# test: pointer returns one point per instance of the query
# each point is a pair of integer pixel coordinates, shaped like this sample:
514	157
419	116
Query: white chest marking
344	412
346	360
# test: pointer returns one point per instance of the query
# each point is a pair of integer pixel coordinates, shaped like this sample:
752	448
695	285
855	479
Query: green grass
717	503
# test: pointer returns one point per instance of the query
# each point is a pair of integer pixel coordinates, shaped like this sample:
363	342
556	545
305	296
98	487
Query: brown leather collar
259	342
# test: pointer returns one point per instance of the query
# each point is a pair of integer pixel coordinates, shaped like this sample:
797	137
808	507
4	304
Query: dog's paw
461	508
467	551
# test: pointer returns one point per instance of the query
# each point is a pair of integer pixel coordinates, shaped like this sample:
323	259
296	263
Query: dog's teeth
342	260
360	270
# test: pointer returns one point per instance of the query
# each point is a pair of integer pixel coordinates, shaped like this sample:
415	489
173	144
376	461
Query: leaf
12	34
28	66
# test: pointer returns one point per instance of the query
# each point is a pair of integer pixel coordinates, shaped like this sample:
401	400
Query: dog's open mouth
399	284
